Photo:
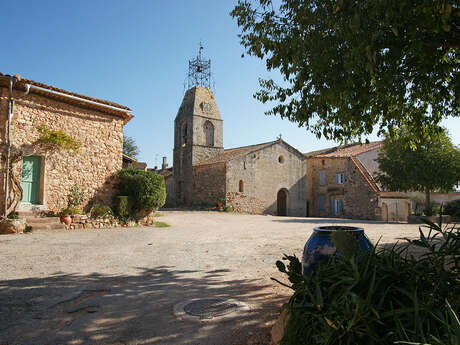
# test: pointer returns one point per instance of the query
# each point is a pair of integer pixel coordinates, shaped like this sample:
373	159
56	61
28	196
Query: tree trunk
427	199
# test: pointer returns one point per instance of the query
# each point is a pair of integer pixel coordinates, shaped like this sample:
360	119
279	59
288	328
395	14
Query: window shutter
333	206
337	178
340	206
321	202
322	178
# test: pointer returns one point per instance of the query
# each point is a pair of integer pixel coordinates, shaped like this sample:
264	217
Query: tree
129	147
48	142
349	65
429	165
145	189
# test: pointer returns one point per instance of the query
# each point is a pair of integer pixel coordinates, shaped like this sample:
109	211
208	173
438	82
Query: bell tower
198	128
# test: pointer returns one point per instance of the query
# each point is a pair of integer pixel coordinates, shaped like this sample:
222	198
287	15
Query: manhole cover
210	307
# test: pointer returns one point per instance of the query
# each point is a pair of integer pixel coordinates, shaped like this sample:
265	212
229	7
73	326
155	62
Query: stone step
48	227
25	214
42	220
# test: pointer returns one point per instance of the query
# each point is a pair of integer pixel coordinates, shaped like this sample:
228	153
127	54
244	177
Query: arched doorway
282	202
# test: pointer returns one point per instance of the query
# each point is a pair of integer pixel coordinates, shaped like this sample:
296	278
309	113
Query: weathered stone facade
92	167
359	200
266	178
264	173
198	135
209	183
341	184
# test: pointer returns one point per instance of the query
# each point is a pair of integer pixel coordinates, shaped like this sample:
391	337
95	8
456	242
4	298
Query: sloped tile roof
230	154
393	195
21	84
351	150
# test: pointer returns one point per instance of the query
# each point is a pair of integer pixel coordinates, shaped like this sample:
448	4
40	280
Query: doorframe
286	193
41	187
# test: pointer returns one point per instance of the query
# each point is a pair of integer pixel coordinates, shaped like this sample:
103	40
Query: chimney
165	164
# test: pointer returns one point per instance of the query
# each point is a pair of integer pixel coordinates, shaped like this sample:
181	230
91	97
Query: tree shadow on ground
131	309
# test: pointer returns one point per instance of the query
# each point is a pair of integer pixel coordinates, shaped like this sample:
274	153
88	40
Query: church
272	177
267	178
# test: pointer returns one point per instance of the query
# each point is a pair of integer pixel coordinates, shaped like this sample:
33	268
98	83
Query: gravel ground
120	286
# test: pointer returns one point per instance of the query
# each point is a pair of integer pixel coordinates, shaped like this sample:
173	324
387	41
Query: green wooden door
31	169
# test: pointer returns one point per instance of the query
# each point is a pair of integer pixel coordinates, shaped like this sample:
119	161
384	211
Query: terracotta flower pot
220	204
66	219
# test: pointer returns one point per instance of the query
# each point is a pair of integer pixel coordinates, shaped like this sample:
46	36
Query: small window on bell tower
208	129
184	134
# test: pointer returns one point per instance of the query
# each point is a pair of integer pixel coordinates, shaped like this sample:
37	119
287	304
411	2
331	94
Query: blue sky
136	53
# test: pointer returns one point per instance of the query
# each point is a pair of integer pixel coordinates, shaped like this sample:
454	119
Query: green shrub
378	297
13	215
228	209
71	210
145	189
75	196
99	211
452	208
57	138
122	206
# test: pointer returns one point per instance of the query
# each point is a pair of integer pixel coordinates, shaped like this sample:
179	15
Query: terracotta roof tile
230	154
394	195
351	150
23	81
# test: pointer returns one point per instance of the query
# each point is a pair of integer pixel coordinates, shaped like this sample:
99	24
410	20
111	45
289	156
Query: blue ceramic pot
320	247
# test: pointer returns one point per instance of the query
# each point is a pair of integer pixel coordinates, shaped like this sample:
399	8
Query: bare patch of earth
120	286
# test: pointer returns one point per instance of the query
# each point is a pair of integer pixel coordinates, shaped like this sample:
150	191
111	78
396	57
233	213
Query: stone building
341	184
46	179
265	178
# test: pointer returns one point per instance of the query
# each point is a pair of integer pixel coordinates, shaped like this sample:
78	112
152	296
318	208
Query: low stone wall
145	218
245	204
85	222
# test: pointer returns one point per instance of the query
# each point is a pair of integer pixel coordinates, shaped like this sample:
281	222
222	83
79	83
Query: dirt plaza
121	286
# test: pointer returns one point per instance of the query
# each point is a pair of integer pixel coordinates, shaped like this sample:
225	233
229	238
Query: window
340	178
241	186
208	131
322	178
281	159
184	134
321	203
337	206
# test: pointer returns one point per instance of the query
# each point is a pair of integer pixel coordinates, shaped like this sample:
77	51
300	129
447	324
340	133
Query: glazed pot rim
346	228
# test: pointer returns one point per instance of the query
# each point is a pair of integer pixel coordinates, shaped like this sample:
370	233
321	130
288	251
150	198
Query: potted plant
66	216
221	202
67	213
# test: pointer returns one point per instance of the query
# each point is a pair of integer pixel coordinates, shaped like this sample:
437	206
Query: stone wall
170	191
209	183
393	210
359	200
263	175
92	168
242	203
197	107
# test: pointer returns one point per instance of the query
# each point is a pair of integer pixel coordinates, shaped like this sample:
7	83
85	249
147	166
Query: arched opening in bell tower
208	129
